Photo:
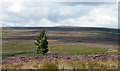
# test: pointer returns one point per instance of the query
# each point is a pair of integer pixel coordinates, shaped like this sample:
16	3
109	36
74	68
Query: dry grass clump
88	64
63	64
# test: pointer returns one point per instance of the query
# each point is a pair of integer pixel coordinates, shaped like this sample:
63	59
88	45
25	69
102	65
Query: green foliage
41	43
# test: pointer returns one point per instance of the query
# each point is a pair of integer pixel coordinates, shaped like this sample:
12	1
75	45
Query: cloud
99	17
42	23
61	0
16	7
23	14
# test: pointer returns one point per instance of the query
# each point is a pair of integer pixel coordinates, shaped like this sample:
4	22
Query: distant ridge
84	27
67	27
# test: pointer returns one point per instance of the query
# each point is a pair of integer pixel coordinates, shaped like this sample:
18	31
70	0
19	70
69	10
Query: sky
51	14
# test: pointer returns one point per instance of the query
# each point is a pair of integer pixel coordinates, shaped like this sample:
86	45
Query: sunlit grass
28	47
78	49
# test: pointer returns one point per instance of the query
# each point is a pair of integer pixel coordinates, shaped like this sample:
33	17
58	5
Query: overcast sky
49	14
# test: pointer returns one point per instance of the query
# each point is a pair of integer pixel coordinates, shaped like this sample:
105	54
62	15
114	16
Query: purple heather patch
58	57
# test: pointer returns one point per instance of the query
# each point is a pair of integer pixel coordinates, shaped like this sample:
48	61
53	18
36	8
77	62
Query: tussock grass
63	64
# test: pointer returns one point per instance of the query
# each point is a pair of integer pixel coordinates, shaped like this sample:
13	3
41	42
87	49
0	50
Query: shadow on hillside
106	39
106	36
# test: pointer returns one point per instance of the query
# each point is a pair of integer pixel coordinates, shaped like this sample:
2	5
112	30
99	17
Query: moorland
62	41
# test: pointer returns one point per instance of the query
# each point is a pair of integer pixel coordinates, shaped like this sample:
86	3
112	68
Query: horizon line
55	26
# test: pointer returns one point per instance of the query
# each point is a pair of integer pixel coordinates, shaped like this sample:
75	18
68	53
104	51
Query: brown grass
63	64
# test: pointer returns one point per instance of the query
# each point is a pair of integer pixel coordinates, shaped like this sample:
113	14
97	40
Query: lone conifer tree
41	43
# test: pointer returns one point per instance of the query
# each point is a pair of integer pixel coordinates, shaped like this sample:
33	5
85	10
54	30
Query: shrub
41	43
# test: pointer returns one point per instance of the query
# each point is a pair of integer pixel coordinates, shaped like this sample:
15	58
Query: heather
98	61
